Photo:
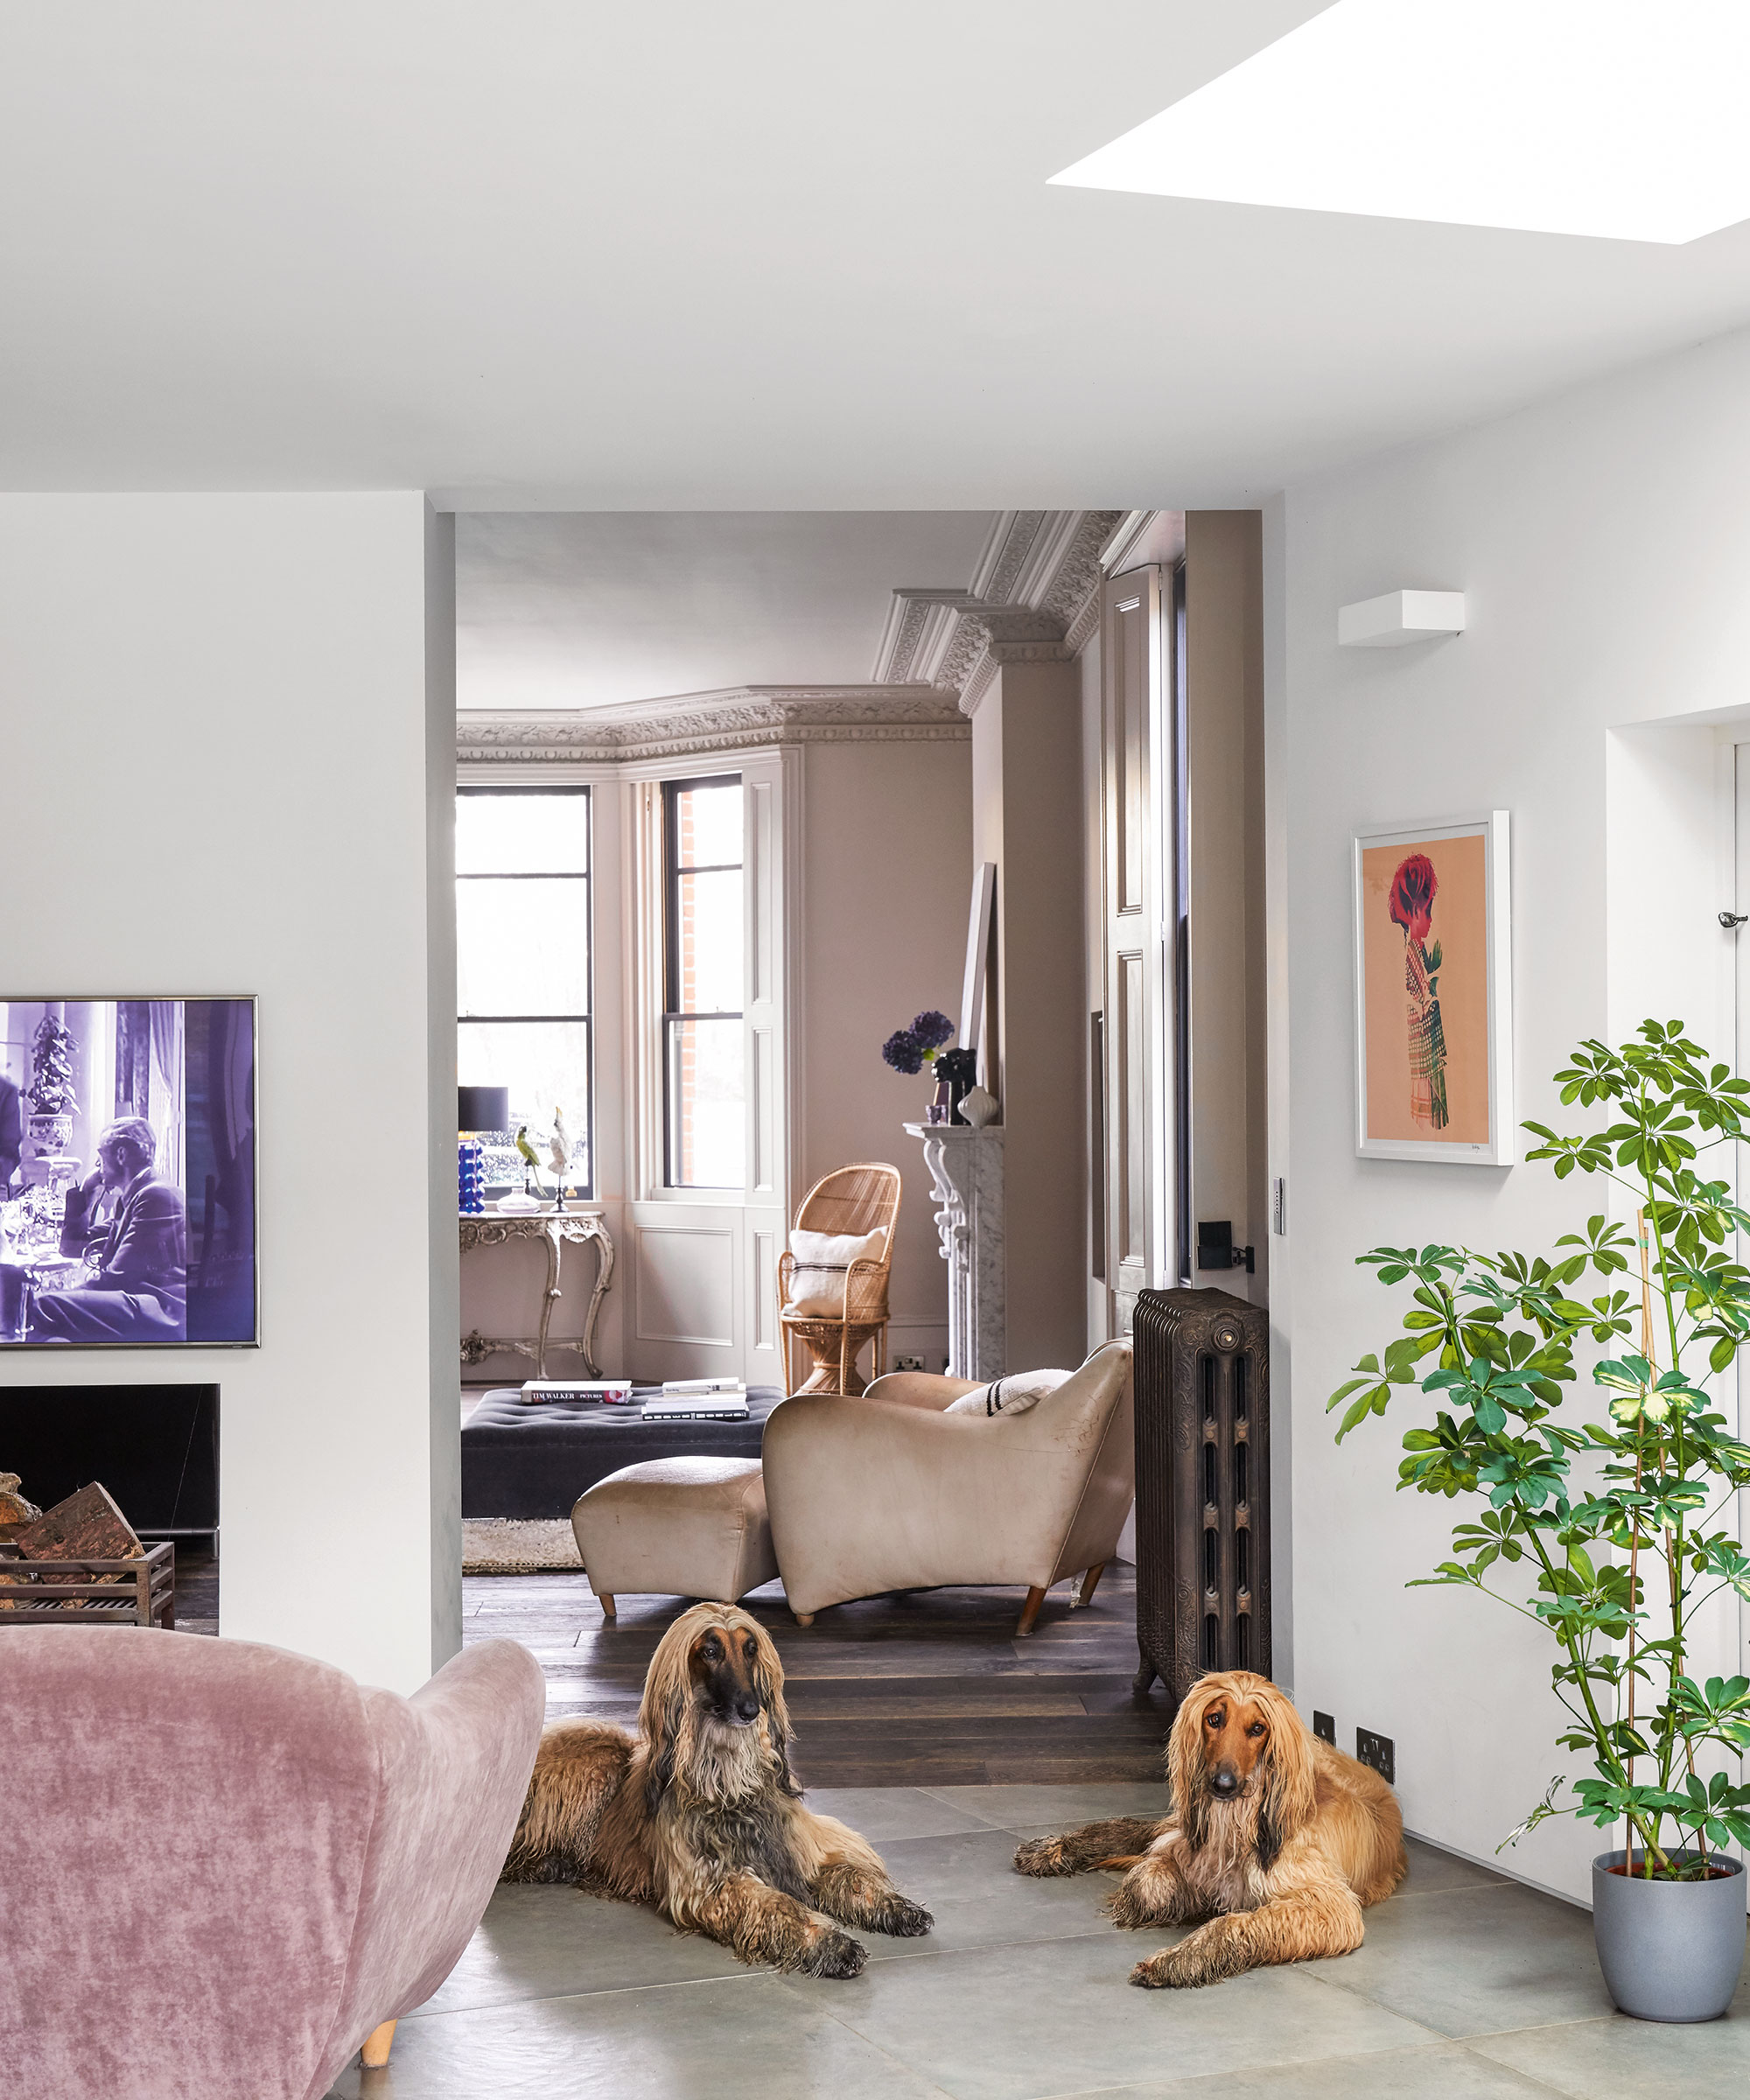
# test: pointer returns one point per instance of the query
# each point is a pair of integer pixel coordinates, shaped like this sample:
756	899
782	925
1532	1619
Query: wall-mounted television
128	1173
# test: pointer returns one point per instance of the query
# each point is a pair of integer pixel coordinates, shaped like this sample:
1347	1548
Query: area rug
519	1545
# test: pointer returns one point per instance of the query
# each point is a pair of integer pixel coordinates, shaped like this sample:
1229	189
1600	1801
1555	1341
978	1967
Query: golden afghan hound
700	1814
1277	1839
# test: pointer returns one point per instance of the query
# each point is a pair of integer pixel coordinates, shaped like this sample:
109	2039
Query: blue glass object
471	1176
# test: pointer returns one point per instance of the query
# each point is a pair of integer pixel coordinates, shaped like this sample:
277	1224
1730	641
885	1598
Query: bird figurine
559	1153
531	1159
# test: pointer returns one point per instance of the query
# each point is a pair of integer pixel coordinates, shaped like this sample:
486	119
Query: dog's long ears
769	1679
659	1773
1289	1799
1185	1770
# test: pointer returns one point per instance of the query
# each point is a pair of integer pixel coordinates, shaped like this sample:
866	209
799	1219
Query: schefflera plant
1619	1518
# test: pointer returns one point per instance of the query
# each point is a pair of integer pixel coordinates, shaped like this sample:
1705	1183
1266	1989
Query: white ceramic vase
978	1106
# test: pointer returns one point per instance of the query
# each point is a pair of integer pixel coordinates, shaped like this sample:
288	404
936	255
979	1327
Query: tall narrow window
704	1084
522	967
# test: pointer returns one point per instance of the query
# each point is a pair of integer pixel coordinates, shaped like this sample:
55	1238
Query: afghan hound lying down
700	1814
1275	1837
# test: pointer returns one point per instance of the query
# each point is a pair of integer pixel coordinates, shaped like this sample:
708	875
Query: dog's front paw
901	1919
1042	1857
1166	1971
834	1954
1134	1903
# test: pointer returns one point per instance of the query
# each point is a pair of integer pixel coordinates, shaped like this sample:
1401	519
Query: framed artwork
1434	992
127	1172
977	949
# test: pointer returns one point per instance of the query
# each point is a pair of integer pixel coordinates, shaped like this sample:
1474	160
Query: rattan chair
852	1200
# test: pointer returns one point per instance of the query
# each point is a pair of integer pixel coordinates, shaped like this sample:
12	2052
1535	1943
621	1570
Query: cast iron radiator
1203	1411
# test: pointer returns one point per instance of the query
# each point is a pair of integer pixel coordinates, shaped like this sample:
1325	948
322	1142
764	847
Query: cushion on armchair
816	1289
1012	1394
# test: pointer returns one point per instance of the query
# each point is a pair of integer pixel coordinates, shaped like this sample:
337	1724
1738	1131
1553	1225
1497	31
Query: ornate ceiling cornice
743	717
1034	598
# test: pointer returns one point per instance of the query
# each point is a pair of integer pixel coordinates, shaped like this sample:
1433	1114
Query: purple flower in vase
903	1051
930	1031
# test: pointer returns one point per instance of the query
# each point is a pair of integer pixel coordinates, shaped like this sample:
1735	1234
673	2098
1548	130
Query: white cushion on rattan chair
816	1289
677	1528
1011	1395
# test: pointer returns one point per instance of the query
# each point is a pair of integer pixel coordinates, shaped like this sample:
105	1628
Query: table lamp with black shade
478	1109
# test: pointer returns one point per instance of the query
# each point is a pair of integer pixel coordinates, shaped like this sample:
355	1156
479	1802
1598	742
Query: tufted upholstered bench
692	1527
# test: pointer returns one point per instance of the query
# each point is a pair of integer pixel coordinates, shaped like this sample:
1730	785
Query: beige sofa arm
919	1389
869	1494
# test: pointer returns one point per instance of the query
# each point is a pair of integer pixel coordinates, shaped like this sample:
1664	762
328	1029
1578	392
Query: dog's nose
747	1707
1226	1784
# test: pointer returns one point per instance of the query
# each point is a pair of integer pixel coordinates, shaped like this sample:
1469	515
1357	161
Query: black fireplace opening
155	1448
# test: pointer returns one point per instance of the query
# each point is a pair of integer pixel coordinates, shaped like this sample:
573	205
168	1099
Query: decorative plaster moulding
1400	616
1033	598
742	718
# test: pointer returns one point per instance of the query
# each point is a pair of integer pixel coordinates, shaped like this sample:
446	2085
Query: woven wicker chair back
854	1200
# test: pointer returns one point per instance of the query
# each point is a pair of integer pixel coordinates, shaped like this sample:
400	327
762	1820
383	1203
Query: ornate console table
966	1167
495	1228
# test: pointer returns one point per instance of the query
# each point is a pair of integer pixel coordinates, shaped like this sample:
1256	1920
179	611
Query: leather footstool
677	1528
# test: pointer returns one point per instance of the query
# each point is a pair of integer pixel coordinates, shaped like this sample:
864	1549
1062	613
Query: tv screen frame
129	1202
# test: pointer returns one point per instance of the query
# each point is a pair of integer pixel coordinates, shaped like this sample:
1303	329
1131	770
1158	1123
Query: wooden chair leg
605	1600
1030	1610
375	2053
1090	1582
803	1618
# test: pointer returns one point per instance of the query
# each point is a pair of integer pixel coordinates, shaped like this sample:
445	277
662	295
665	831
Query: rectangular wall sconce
1400	616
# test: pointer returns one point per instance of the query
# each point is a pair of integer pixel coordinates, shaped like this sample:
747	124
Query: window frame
671	1011
503	791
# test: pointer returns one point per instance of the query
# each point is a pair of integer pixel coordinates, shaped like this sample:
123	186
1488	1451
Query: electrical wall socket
1376	1753
1325	1728
908	1364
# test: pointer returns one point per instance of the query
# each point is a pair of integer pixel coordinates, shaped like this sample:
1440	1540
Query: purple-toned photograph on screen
127	1172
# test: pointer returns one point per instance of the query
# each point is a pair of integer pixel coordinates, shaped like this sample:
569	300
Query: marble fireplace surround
966	1171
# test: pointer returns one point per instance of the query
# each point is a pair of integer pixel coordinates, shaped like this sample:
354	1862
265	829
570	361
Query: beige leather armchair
888	1492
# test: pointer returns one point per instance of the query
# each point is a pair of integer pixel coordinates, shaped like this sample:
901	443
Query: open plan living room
870	1052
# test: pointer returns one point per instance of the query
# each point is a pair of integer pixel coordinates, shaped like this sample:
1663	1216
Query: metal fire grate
1202	1412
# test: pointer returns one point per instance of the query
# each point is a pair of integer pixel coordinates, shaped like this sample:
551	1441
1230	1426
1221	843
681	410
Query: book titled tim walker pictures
609	1392
127	1172
698	1400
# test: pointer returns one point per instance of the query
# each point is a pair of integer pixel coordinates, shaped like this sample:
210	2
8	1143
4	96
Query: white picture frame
977	949
1460	1062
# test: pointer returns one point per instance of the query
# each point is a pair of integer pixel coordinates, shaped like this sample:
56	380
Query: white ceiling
587	609
585	254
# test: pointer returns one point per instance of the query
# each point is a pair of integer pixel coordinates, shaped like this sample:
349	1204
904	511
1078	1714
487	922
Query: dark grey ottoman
535	1462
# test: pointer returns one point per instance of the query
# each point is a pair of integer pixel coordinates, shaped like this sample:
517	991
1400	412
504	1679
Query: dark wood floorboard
922	1688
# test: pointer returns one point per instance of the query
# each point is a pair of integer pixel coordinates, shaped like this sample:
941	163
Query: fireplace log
86	1526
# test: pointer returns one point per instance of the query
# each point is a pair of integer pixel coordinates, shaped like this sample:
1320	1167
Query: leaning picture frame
1433	964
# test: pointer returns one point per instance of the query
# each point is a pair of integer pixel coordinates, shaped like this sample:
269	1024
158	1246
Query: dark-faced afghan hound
700	1814
1277	1839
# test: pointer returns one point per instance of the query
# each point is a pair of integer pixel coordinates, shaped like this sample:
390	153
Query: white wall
1602	540
230	760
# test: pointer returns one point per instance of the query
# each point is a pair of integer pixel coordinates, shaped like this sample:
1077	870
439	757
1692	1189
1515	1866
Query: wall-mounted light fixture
1400	616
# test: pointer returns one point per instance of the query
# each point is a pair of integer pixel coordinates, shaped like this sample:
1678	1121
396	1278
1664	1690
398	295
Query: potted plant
1622	1521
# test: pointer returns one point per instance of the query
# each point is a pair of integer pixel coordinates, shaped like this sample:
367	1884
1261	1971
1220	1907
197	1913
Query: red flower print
1412	895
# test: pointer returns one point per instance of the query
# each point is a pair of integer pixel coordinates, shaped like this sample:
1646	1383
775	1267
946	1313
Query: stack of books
699	1400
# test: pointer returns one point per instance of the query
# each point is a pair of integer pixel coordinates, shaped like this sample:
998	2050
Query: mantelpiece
966	1169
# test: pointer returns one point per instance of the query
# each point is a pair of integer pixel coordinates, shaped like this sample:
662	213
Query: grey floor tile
970	1883
554	1942
1445	2070
1476	1960
1017	2022
881	1813
1610	2059
1056	1807
749	2038
1433	1872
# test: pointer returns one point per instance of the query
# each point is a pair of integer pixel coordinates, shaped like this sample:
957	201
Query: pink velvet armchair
224	1866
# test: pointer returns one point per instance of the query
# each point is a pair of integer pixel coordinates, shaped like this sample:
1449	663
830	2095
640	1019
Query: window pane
707	1113
708	942
522	946
707	825
546	1065
522	834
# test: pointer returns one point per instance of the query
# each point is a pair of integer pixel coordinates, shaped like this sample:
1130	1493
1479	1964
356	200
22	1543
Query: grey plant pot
1669	1949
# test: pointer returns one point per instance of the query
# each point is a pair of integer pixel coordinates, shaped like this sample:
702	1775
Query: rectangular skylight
1625	120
